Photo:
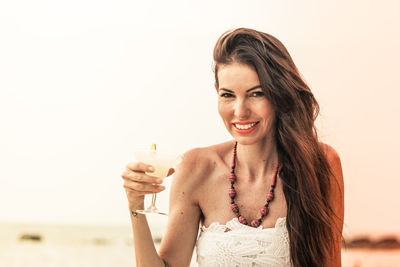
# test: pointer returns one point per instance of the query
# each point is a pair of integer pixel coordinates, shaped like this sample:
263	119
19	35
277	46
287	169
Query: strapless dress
238	245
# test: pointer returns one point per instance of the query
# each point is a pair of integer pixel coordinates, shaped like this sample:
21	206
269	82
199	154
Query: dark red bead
234	207
232	178
255	223
242	220
264	210
232	193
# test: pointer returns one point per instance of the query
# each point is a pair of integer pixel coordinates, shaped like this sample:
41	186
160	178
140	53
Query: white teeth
245	126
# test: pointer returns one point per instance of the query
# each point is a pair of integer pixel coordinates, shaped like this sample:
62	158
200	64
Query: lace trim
234	224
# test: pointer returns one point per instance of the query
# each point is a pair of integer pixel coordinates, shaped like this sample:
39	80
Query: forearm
145	251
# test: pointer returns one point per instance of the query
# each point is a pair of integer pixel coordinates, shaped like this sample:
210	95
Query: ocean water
101	246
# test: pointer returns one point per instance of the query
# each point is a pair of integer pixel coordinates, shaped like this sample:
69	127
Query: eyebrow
248	90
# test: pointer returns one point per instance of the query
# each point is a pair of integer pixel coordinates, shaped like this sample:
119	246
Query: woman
273	196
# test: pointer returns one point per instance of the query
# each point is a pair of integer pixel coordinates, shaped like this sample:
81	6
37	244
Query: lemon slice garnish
153	147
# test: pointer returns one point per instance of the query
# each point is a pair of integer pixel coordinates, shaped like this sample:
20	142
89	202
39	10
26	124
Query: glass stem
153	201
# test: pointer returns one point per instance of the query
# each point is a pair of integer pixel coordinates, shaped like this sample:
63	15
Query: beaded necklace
232	194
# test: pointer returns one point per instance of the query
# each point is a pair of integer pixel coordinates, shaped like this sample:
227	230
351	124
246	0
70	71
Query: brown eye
226	95
257	94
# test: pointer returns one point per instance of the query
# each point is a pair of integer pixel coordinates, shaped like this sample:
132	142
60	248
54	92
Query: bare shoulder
195	163
198	164
203	159
334	162
195	158
331	155
336	181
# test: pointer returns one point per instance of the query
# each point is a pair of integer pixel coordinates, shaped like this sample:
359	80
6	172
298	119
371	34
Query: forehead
237	76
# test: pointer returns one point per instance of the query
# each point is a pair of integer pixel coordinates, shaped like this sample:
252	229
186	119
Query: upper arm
336	199
184	213
336	184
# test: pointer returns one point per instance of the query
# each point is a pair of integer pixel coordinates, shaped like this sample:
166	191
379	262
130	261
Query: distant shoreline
387	242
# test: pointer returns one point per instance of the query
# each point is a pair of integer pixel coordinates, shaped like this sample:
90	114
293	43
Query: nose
242	110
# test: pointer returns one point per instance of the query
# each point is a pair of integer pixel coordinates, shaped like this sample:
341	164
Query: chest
251	197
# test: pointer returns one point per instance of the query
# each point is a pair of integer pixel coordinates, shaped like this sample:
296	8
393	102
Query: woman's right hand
137	183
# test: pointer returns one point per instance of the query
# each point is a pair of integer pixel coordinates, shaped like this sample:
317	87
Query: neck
258	160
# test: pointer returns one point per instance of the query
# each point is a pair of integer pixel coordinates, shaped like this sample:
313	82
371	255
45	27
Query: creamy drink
161	163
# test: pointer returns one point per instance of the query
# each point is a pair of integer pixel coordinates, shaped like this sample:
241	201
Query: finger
143	187
139	167
139	193
140	177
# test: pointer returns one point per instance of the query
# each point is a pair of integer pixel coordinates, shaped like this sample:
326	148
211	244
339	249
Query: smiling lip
245	130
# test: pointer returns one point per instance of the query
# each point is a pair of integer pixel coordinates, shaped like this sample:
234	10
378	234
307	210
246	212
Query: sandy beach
68	246
101	246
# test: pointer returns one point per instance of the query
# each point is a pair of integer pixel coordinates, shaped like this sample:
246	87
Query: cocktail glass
162	164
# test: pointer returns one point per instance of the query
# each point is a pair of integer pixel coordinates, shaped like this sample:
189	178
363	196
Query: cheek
266	110
223	110
269	115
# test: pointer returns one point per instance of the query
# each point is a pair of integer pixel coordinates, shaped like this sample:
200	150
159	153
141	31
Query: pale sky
85	83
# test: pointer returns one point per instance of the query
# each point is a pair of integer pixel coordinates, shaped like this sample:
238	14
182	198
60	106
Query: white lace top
243	246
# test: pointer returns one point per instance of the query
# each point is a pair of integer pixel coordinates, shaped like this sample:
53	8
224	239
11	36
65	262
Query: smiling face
247	114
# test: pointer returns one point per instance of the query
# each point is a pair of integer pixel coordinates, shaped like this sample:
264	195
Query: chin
246	141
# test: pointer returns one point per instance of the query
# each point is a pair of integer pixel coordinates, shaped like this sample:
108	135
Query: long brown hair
305	171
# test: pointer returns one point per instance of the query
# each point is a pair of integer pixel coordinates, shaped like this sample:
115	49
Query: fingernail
159	181
151	168
161	187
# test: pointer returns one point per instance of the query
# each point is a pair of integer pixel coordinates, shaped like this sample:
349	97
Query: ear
216	87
